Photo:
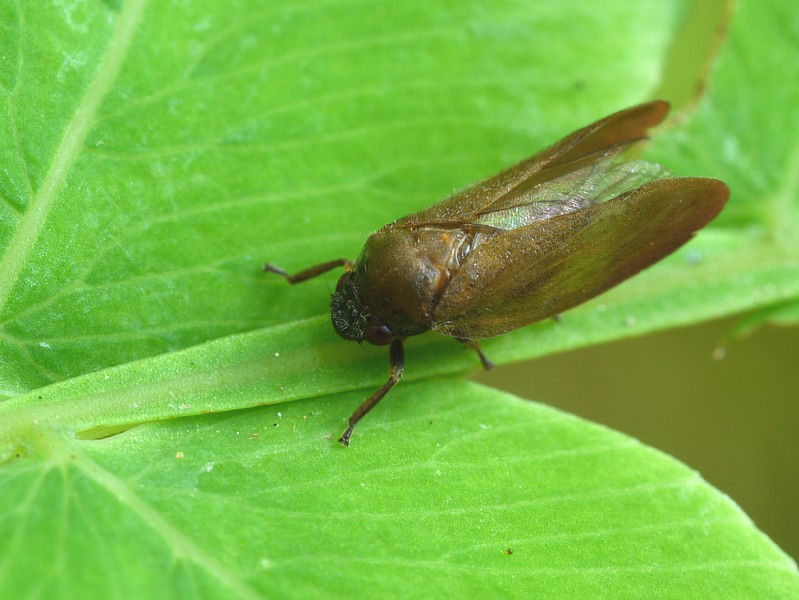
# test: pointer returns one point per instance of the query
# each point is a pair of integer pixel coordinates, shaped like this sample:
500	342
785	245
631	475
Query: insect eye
342	281
379	335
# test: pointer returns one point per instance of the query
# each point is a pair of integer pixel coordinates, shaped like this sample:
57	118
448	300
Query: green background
169	413
734	419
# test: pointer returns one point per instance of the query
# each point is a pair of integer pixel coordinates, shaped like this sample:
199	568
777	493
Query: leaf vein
34	221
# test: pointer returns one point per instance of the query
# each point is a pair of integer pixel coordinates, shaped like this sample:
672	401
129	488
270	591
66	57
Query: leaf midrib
33	221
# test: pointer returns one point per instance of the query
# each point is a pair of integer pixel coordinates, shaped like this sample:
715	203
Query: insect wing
593	144
571	191
533	272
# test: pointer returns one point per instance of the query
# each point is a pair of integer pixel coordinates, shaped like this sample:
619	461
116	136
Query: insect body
526	244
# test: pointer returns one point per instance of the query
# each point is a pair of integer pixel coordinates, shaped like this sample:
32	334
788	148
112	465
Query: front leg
395	374
311	272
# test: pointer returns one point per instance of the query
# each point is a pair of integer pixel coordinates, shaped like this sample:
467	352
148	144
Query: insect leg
487	364
312	271
395	374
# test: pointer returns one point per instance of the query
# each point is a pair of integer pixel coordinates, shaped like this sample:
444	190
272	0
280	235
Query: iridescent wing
533	272
571	174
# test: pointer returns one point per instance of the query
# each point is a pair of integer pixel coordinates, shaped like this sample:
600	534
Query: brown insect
524	245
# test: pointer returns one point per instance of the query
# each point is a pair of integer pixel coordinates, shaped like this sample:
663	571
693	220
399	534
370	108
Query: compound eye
342	281
379	335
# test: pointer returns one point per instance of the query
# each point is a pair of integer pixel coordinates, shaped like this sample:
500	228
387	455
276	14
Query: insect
524	245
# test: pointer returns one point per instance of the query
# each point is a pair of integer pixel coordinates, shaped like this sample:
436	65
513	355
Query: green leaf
262	503
155	154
